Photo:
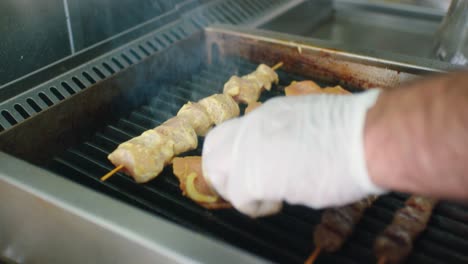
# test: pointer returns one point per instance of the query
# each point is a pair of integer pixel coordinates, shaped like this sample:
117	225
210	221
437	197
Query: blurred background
35	34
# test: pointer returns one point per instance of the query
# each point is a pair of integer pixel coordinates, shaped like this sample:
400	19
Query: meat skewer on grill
145	156
396	241
337	225
192	182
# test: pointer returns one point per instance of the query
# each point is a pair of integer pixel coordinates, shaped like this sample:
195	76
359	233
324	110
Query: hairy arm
416	137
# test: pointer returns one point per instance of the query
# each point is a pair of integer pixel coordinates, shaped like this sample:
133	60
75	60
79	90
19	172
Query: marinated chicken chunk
243	90
197	116
247	89
145	156
181	133
220	107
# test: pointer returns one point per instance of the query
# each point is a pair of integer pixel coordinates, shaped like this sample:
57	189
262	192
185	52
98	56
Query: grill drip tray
286	237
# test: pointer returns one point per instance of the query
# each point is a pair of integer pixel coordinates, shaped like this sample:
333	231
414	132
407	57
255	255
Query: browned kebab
337	225
145	156
395	243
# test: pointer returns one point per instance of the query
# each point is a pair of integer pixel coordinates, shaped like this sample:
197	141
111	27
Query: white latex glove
305	150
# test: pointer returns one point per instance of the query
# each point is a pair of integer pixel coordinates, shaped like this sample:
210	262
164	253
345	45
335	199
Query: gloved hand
303	150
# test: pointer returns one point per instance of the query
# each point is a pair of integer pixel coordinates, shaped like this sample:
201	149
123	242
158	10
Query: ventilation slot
57	93
108	68
88	77
176	35
167	38
127	59
144	50
45	99
182	31
9	117
99	73
68	88
196	23
152	46
33	105
160	42
135	54
78	82
117	63
21	110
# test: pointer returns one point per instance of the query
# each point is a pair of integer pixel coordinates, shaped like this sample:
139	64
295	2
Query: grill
126	104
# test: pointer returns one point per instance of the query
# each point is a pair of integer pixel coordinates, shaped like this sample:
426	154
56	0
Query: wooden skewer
382	260
311	259
277	66
111	173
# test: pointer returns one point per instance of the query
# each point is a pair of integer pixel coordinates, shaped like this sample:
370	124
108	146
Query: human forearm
416	137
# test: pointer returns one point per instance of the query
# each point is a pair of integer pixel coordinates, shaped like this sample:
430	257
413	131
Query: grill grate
286	237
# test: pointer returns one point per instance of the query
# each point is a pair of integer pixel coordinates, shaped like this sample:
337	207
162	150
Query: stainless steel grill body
73	138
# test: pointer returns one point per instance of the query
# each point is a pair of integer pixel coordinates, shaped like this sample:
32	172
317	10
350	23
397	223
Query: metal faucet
451	37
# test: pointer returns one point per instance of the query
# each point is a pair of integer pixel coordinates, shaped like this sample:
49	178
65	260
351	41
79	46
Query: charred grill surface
286	237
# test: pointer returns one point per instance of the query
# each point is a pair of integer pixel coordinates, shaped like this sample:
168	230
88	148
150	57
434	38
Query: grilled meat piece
396	241
197	116
335	90
247	89
338	224
181	132
302	88
243	90
310	87
144	156
220	107
193	185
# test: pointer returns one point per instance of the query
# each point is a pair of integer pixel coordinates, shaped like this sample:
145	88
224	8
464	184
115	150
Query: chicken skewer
192	182
396	241
145	156
337	225
247	89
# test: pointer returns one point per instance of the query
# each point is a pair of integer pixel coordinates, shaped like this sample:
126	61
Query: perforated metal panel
36	99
